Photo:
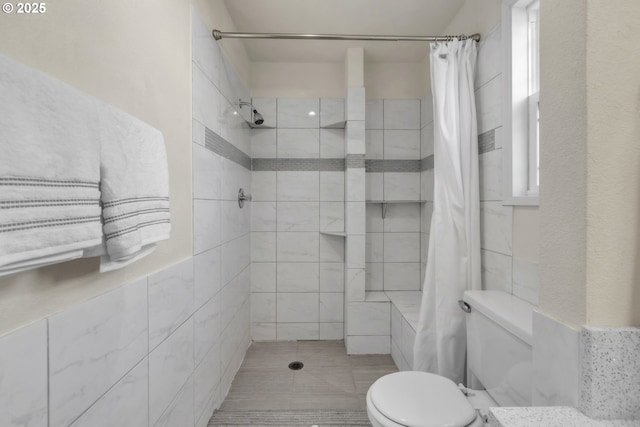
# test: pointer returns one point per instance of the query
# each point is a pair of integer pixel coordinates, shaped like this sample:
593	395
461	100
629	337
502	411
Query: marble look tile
373	119
297	247
331	331
374	276
180	412
266	107
263	307
23	377
402	114
402	217
206	225
396	325
331	307
426	141
369	344
374	143
402	144
375	223
356	103
197	132
299	143
369	318
406	343
207	275
356	251
489	105
496	271
298	277
206	173
263	246
402	186
298	331
331	186
263	144
263	216
234	176
263	186
235	256
207	327
332	248
402	247
355	137
92	346
122	404
556	375
206	379
331	111
294	113
355	185
496	227
332	217
332	143
397	357
206	101
170	365
525	280
374	251
263	277
298	186
356	285
402	276
491	175
426	217
298	216
331	277
171	300
205	52
498	136
297	307
489	56
263	331
235	221
610	371
426	110
374	188
355	222
427	179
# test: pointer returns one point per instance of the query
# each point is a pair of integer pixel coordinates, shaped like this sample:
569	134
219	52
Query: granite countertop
549	416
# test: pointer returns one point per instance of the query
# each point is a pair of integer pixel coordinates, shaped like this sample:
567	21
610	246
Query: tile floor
330	378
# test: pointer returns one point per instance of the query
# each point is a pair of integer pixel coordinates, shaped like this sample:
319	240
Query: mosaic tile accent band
219	145
487	141
393	165
301	165
355	161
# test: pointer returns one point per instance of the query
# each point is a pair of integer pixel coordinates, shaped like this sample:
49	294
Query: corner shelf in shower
334	233
337	125
383	204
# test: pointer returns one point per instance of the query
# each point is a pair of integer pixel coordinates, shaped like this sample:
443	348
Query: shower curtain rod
217	34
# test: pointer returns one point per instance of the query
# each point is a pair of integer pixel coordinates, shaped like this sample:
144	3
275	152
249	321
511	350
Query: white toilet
498	360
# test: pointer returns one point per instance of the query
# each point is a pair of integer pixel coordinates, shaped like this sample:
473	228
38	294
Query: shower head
257	117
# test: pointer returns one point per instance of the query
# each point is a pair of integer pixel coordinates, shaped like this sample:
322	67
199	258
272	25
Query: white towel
49	169
135	188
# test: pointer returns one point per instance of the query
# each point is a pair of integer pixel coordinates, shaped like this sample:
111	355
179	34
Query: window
520	20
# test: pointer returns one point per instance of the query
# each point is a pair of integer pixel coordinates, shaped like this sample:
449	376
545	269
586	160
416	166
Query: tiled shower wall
298	194
500	269
394	150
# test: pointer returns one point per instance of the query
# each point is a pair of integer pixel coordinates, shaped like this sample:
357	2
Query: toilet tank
499	351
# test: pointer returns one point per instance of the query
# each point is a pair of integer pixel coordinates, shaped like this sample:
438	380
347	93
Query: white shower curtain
453	263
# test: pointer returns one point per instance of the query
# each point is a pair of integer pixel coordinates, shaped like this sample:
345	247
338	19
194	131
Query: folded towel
135	188
49	169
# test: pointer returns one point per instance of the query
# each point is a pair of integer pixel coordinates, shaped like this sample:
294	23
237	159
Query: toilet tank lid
512	313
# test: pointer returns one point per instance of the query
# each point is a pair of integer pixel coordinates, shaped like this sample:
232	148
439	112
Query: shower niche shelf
383	204
337	125
255	126
334	233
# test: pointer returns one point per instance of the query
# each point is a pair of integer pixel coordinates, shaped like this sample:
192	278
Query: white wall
394	80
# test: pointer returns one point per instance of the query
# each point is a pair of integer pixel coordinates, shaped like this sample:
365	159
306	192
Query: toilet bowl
419	399
498	359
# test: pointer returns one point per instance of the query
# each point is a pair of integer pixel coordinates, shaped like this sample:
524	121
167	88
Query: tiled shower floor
329	380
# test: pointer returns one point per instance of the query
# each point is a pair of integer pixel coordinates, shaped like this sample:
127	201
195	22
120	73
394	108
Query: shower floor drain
296	366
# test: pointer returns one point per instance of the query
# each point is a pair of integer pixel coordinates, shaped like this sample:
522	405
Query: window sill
521	201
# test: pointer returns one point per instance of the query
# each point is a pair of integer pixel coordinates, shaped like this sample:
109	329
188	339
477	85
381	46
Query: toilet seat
419	399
